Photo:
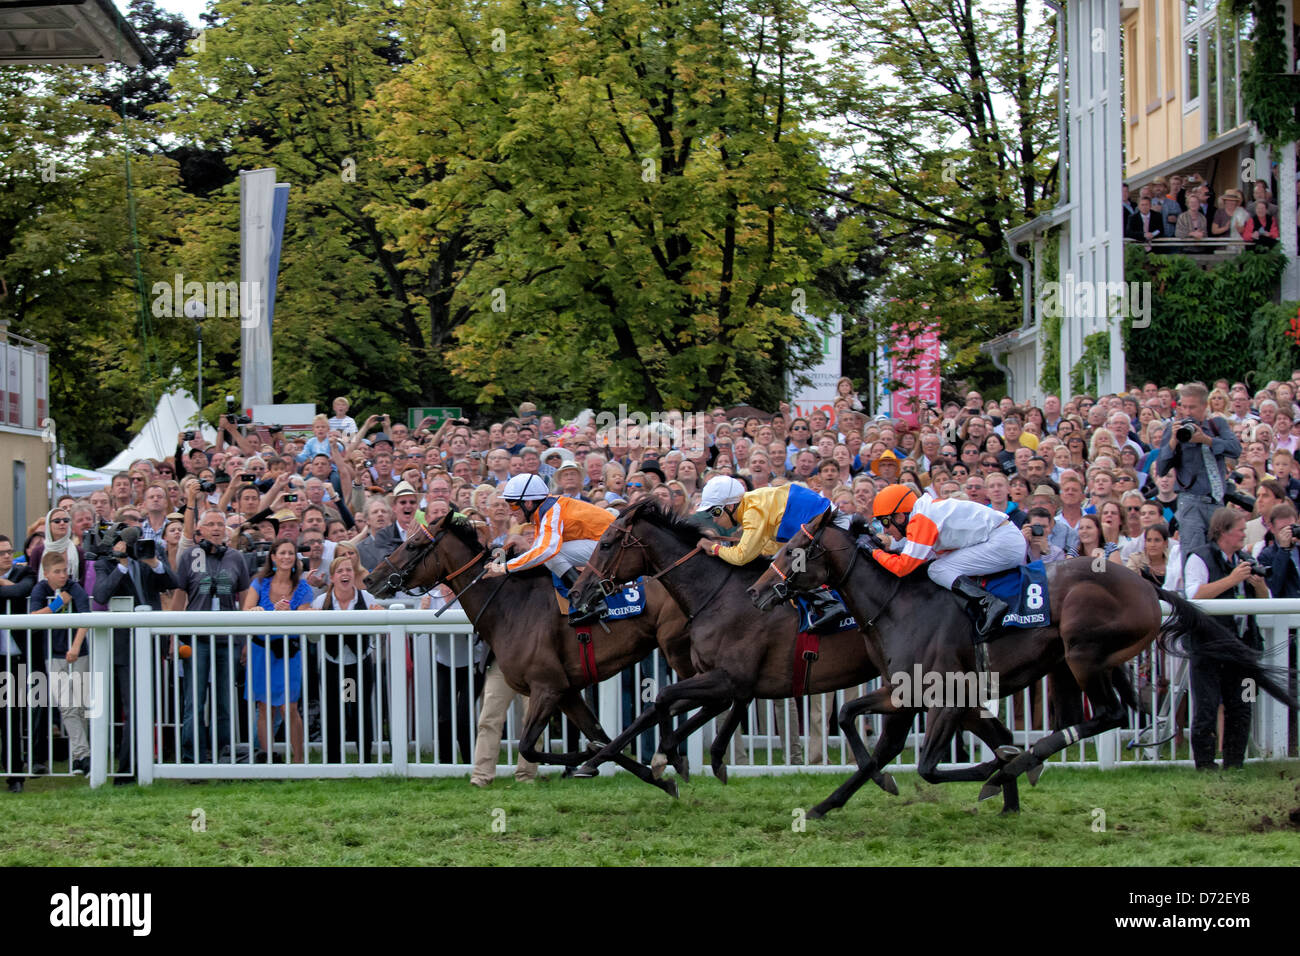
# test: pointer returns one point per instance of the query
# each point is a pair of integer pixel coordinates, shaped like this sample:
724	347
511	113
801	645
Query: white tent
79	482
175	413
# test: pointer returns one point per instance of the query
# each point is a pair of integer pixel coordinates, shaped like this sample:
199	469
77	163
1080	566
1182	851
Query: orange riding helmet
892	500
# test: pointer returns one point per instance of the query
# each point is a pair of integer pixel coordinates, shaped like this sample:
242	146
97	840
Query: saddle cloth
1024	589
805	618
628	601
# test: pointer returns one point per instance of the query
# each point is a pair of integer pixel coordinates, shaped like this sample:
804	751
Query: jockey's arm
755	537
550	536
918	547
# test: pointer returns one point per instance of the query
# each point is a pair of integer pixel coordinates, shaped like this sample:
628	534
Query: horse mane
464	529
684	529
859	525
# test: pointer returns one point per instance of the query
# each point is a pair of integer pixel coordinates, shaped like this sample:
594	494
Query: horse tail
1190	632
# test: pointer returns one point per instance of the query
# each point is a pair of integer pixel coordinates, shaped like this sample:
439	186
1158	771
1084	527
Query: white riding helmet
720	490
526	487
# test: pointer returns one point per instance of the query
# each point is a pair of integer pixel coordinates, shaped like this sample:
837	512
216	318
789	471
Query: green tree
637	183
949	108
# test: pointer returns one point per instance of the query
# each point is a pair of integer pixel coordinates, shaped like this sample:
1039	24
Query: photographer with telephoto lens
1195	448
1222	570
127	564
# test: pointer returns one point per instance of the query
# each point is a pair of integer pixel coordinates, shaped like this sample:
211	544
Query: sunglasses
679	494
59	520
989	464
634	484
950	454
799	428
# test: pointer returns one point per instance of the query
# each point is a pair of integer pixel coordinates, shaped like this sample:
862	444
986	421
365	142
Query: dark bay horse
536	649
1102	615
740	652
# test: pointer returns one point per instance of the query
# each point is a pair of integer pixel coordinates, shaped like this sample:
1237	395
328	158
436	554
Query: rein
608	587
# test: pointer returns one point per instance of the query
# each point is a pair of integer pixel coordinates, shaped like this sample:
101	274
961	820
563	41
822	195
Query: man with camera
209	577
1280	557
1195	448
1222	570
1037	531
128	564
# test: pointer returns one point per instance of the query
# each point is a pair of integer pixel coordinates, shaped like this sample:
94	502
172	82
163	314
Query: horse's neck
689	587
507	597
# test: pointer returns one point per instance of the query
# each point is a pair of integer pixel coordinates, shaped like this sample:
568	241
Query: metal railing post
94	697
397	702
609	711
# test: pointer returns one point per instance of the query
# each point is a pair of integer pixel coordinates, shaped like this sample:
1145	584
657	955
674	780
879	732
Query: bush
1208	323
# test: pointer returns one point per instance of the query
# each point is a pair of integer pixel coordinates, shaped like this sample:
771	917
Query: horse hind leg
712	688
1108	713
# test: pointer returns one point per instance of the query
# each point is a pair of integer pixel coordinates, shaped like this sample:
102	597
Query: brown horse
536	649
1102	615
740	652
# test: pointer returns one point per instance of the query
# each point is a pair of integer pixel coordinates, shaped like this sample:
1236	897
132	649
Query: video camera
99	541
232	414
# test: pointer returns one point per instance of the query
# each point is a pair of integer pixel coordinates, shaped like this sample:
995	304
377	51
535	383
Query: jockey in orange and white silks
567	528
963	538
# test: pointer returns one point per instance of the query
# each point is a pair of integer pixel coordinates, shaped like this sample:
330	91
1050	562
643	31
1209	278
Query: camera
1240	499
1295	534
289	498
248	477
188	436
1257	568
207	487
233	416
1187	427
1036	530
99	542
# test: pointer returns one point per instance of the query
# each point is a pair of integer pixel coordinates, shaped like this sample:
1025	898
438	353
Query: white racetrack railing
416	685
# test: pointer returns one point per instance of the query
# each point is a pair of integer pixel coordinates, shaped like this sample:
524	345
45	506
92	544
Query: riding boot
986	609
581	615
825	609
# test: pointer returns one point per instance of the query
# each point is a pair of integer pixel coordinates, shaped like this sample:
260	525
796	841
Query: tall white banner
256	203
819	395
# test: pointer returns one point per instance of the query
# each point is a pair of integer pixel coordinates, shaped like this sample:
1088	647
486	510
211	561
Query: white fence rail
397	692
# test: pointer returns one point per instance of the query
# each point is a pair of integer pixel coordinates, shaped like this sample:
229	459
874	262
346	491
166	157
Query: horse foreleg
647	718
576	709
878	701
712	689
718	751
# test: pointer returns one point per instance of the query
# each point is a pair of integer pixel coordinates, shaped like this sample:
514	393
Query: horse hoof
586	770
990	789
1034	773
670	788
658	763
887	784
1009	811
1008	752
720	772
816	813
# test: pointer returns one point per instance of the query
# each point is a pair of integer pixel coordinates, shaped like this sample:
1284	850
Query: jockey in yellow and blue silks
766	516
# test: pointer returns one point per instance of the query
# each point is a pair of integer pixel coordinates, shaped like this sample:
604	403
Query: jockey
765	516
969	538
566	535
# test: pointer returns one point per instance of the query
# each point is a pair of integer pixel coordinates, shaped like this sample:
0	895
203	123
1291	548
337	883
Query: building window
1213	53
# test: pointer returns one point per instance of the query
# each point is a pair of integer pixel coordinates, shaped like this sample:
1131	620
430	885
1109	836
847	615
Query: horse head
800	566
431	555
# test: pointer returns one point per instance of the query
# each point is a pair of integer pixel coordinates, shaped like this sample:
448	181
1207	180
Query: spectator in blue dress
279	586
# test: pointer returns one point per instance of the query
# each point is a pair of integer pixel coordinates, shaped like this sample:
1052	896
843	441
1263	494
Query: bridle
782	588
608	585
398	577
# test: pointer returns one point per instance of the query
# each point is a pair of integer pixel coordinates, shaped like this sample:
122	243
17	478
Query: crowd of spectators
1186	209
262	519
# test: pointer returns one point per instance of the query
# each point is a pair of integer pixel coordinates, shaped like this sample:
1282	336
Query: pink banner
916	362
